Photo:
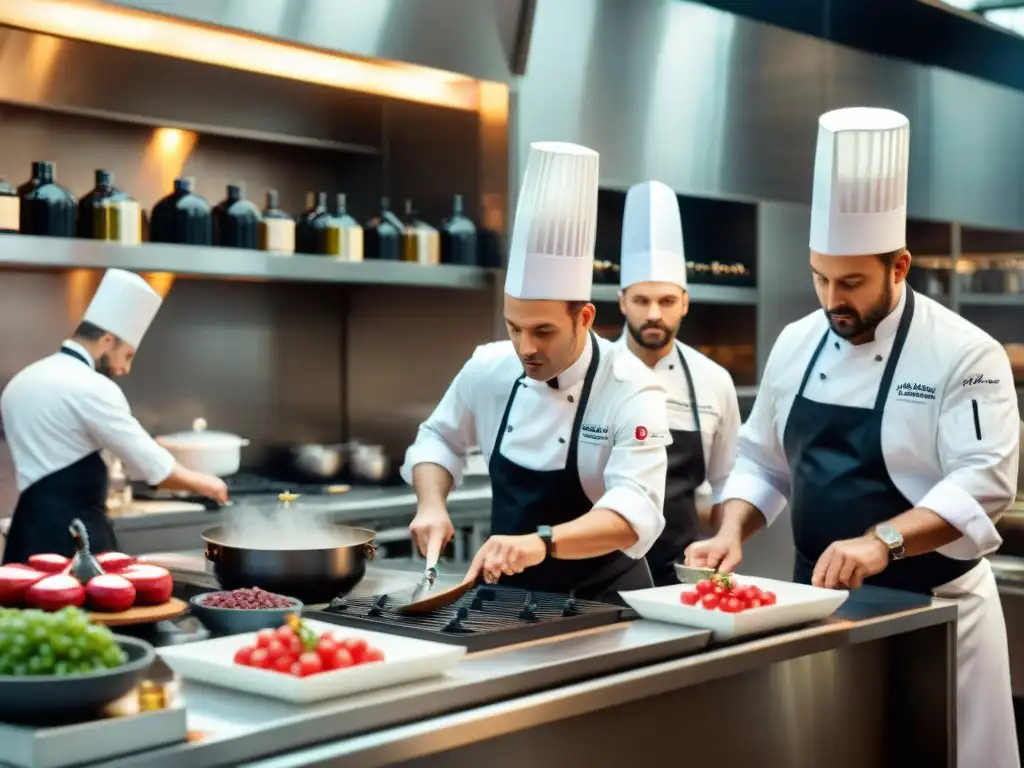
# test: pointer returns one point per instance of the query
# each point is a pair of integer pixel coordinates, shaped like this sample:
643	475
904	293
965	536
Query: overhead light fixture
165	36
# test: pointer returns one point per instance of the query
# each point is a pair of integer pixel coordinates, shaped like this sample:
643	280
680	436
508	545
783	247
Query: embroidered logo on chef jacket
641	433
909	390
594	432
978	378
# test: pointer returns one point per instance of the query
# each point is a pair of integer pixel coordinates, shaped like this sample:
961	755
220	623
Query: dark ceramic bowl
236	621
47	698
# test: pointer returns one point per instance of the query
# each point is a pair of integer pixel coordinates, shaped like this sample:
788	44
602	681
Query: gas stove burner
240	484
485	617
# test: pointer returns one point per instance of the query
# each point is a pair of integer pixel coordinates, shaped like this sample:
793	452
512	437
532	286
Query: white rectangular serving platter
405	660
796	604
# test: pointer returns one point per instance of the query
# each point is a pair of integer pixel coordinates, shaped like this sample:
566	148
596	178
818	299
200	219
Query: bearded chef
60	412
888	423
703	410
573	427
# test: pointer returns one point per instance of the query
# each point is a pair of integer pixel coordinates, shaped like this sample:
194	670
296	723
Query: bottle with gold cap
277	228
421	243
382	235
340	235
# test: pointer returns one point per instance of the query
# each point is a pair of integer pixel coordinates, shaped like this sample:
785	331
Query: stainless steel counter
884	662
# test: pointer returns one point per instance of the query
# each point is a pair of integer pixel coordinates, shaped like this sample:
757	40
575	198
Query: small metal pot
310	575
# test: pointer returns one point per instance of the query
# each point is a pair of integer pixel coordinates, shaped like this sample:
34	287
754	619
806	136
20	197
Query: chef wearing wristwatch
573	427
888	424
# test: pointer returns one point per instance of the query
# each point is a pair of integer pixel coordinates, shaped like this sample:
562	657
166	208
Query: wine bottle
458	238
382	235
107	213
183	217
277	228
48	209
305	234
236	221
420	241
342	237
10	206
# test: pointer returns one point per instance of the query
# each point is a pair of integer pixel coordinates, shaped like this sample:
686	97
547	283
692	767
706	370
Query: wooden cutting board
141	614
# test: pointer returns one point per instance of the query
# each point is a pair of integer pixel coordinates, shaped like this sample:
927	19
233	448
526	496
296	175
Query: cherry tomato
275	649
285	634
731	605
372	654
747	593
326	648
342	660
283	663
768	598
259	658
296	669
710	601
704	586
689	597
243	655
264	636
310	664
755	603
356	647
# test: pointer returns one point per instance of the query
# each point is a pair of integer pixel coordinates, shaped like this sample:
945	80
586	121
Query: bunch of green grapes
62	643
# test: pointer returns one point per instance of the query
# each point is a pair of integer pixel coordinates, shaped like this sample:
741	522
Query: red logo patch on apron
641	433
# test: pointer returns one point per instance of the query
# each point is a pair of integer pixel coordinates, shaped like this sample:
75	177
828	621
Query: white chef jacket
621	456
950	431
717	404
59	410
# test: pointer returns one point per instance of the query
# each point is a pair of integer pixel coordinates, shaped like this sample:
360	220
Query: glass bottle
236	221
305	233
48	209
458	238
382	235
183	217
277	228
420	241
10	206
341	236
107	213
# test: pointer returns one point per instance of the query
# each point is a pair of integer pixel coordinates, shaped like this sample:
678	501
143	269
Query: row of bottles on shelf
43	207
607	272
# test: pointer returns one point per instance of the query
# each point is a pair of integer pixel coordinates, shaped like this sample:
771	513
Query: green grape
20	648
113	656
6	664
60	668
59	642
20	669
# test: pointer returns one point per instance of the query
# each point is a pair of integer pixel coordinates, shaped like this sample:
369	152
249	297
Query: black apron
686	472
46	508
523	499
841	486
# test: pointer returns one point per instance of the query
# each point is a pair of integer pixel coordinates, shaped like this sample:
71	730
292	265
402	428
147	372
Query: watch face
889	535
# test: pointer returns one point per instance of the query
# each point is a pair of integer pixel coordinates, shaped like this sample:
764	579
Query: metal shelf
699	294
28	252
991	299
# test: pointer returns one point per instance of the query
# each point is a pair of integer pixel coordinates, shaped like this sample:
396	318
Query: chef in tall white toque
60	412
703	410
888	423
573	427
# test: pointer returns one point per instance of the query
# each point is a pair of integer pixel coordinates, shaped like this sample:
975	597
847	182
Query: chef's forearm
596	533
923	531
739	518
432	484
181	478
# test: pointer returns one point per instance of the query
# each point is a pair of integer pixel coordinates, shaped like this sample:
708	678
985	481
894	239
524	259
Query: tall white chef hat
124	305
652	236
552	250
859	206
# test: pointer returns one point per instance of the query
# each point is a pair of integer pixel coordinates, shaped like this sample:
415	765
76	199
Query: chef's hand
847	563
723	552
211	487
506	555
431	529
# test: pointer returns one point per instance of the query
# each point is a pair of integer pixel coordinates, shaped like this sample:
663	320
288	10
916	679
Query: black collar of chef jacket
553	383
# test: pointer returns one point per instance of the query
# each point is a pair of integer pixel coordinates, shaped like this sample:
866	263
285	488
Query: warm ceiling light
185	40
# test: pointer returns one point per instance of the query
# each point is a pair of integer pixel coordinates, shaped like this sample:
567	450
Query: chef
889	425
703	411
60	412
573	427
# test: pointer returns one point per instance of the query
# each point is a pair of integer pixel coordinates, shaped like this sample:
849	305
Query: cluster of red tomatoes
299	652
722	593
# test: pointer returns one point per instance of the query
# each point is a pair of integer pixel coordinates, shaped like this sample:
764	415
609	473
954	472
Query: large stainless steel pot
310	575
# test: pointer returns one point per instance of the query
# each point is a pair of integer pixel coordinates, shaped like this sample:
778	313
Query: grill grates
486	617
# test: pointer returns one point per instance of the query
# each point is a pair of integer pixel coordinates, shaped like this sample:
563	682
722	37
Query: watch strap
547	536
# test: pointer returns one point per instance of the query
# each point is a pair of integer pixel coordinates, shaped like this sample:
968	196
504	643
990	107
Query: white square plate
405	660
795	604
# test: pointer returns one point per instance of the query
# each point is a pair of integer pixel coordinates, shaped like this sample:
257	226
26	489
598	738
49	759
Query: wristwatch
892	539
546	534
